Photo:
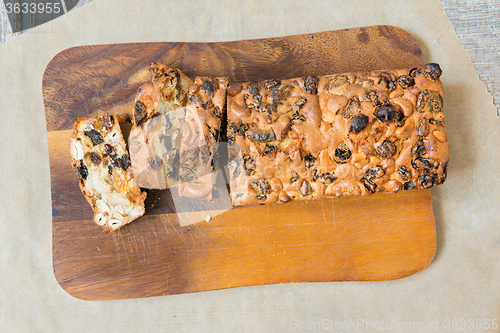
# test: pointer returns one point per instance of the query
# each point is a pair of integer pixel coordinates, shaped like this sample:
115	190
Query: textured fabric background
463	281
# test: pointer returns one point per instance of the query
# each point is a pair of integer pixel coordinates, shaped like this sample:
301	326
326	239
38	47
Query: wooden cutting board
379	237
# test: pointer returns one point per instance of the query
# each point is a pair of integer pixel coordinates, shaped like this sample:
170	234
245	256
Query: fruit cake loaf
103	167
158	119
202	130
336	135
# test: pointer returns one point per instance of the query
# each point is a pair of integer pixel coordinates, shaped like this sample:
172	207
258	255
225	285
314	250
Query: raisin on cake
103	167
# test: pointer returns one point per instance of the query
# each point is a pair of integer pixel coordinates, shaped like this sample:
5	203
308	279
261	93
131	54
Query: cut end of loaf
103	168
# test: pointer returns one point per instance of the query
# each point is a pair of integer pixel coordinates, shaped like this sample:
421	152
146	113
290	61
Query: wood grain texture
476	23
380	237
87	79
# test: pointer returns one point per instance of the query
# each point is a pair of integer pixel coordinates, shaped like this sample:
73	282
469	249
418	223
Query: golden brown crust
334	135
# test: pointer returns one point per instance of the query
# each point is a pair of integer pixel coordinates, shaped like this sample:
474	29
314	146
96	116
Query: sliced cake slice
158	119
198	154
102	164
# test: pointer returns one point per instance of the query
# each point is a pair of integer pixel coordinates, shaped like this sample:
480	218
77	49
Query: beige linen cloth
463	281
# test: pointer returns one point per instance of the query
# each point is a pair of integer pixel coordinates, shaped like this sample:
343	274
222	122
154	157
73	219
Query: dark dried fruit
385	113
406	81
115	162
369	185
82	170
388	81
424	164
372	96
110	168
125	162
276	91
427	180
282	94
435	122
299	103
107	122
155	162
429	101
342	153
353	108
409	185
272	84
209	87
315	175
418	149
326	178
270	110
191	156
270	151
140	113
261	186
298	118
231	140
109	150
94	136
294	177
95	158
374	172
311	84
305	189
237	128
309	160
257	134
201	102
205	155
195	99
404	173
400	119
252	101
423	127
386	149
174	172
188	175
253	88
358	123
415	72
432	71
218	112
249	164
